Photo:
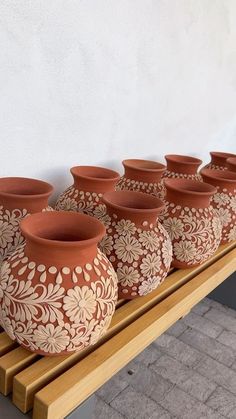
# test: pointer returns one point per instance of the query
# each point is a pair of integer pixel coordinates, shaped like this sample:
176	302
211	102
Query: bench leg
84	411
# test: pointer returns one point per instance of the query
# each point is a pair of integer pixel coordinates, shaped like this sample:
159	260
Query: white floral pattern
127	248
170	174
224	203
53	310
153	188
149	285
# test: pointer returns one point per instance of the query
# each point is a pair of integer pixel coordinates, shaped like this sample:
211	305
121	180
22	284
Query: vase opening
145	165
224	175
24	187
94	172
190	193
231	163
219	158
134	202
182	164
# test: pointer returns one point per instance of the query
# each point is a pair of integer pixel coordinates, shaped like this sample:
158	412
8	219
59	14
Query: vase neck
143	170
140	219
188	200
183	164
94	179
31	204
219	159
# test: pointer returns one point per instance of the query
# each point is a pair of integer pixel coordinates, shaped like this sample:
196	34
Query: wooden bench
54	387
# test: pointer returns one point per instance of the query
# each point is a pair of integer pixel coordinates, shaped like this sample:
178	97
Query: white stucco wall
95	81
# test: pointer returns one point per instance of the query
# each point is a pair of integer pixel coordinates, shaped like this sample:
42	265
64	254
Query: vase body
19	197
224	200
58	291
85	195
142	176
231	164
179	166
191	222
136	243
218	160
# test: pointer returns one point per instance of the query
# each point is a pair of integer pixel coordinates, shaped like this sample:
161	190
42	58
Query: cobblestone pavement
189	372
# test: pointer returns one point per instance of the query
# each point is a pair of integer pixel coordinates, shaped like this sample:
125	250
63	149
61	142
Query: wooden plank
61	396
12	363
33	378
6	344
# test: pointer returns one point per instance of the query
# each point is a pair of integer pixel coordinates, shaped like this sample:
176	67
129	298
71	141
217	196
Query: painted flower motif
67	204
127	248
80	304
6	324
217	227
167	253
100	330
127	276
85	207
221	198
233	203
149	240
225	216
184	251
174	227
124	227
100	213
232	234
150	265
106	245
6	234
51	339
149	285
4	276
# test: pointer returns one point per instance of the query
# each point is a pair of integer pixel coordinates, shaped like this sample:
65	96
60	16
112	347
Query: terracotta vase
19	197
85	195
231	164
142	176
218	160
58	291
182	167
136	243
224	201
191	222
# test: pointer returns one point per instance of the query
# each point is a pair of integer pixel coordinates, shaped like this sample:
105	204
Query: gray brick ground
228	339
201	308
203	325
223	402
177	329
104	411
150	355
209	346
221	318
112	388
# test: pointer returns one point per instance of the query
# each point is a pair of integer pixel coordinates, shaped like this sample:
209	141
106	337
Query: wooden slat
33	378
12	363
6	344
65	393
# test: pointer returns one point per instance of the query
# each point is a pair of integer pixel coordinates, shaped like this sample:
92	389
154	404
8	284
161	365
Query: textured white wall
94	81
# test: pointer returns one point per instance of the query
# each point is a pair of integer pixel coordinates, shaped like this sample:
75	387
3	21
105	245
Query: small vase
182	167
142	176
191	222
218	161
231	164
136	243
224	201
85	195
19	197
58	291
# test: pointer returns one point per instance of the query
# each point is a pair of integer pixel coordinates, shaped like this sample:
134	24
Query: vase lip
144	165
179	158
190	187
221	154
132	201
21	187
62	229
224	175
231	160
95	173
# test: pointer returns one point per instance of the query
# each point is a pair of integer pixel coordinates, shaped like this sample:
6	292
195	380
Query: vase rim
190	187
134	202
62	229
21	187
221	154
96	173
224	175
231	160
144	165
179	158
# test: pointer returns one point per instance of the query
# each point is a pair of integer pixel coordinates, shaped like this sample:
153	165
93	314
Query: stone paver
203	325
223	402
201	308
112	388
177	329
228	339
150	355
220	317
104	411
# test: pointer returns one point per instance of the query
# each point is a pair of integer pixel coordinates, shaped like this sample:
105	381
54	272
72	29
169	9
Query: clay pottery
85	195
179	166
224	201
142	176
191	222
136	243
19	197
58	291
218	160
231	164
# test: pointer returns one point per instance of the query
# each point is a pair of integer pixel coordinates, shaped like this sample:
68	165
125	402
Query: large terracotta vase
136	243
231	164
218	160
224	201
85	195
142	176
58	291
179	166
191	222
19	197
